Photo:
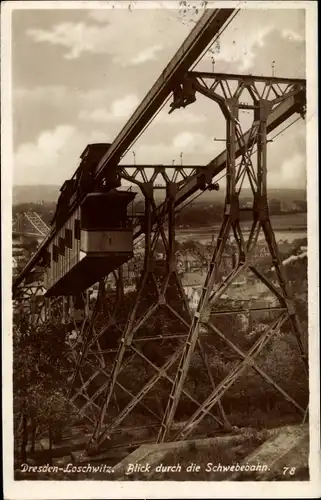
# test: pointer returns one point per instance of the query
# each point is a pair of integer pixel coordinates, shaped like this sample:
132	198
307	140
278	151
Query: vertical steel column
65	309
87	331
260	219
171	189
203	312
266	225
129	329
163	284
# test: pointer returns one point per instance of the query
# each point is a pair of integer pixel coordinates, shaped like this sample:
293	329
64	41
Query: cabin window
102	213
77	229
61	246
55	253
46	258
68	238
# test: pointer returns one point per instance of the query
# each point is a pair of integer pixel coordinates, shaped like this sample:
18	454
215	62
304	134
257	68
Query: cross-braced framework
107	349
161	288
228	92
134	341
30	308
87	352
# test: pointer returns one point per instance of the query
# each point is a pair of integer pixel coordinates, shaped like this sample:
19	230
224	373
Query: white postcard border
30	490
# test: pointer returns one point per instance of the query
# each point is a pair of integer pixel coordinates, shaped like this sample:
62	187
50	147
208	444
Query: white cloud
46	93
196	144
76	37
119	109
254	39
186	141
240	53
123	107
145	55
98	115
61	96
180	116
125	36
292	173
293	35
197	148
53	156
79	38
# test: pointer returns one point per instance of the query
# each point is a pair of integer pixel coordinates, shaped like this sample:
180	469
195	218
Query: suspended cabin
95	240
97	237
83	180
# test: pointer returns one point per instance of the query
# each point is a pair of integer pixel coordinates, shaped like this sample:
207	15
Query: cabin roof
93	148
113	196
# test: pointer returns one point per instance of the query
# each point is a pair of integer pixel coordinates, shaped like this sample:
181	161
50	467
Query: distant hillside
276	194
34	194
49	194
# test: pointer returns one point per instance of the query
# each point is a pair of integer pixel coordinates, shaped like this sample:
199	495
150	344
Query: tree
40	393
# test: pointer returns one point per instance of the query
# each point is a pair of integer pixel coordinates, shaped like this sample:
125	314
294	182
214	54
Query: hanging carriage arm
207	28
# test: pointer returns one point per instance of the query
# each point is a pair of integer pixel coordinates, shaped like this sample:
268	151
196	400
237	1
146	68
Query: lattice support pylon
214	287
132	340
30	308
109	342
86	353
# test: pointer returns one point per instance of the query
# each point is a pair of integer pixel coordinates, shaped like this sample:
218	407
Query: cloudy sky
77	76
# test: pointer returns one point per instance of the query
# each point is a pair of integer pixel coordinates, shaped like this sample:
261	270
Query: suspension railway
123	353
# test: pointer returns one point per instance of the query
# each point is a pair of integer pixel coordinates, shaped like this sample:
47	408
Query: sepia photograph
160	247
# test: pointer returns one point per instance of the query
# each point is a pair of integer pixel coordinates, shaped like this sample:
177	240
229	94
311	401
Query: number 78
289	470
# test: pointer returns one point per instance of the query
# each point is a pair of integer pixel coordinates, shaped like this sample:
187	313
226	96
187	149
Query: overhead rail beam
247	78
202	34
207	28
